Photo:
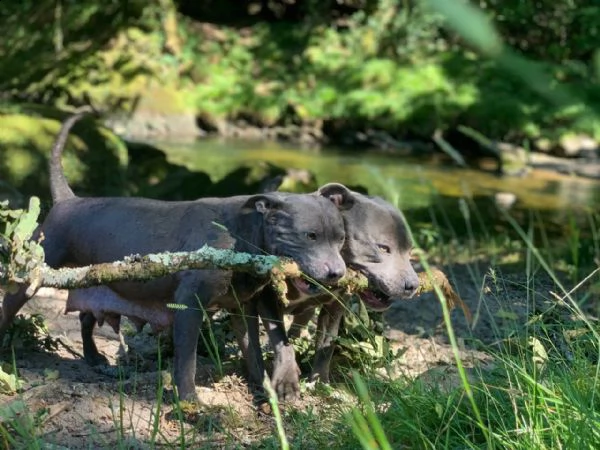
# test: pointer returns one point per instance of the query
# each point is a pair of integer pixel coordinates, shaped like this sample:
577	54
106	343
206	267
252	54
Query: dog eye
311	235
383	248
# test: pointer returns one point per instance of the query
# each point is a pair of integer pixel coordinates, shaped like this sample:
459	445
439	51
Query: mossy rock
95	160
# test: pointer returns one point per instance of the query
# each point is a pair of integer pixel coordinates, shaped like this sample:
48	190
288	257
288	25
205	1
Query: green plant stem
283	441
454	344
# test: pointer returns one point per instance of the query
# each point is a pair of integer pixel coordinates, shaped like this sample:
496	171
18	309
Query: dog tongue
372	300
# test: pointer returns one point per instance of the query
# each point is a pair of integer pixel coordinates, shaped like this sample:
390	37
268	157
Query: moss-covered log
147	267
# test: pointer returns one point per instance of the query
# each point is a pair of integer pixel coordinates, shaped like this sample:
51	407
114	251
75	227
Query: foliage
361	342
29	333
19	425
23	253
9	383
556	31
392	68
95	159
388	64
68	42
366	427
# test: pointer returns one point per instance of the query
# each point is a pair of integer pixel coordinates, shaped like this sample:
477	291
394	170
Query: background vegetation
332	65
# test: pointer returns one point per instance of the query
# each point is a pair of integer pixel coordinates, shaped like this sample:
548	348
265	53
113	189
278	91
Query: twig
427	283
68	348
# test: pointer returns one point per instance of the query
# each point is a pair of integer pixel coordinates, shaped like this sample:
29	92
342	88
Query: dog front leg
245	326
328	327
286	373
186	331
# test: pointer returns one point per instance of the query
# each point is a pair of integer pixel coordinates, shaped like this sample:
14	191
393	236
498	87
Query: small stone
543	145
573	146
505	200
264	408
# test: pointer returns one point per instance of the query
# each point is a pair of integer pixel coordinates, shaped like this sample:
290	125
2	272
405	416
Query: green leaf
9	383
540	355
28	220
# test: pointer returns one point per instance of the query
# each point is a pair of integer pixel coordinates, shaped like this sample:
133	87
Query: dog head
305	227
377	244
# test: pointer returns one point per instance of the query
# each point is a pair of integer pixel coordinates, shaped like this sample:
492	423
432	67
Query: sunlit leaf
9	383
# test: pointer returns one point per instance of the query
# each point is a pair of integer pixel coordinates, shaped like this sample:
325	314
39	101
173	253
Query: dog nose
334	273
410	285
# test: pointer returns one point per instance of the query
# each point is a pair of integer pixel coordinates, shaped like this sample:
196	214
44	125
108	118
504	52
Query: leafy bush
386	64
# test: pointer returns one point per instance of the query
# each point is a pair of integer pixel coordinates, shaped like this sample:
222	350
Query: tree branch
155	265
24	264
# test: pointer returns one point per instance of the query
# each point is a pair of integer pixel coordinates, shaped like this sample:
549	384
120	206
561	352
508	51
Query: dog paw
95	359
286	382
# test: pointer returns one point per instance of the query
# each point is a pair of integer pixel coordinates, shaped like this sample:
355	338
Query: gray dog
378	245
82	231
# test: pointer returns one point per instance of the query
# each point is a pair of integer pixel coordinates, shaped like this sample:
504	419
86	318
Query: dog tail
59	187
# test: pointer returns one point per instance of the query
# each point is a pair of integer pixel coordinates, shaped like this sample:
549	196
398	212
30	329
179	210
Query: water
408	183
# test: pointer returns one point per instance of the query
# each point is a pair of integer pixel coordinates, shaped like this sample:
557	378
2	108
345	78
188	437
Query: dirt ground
76	406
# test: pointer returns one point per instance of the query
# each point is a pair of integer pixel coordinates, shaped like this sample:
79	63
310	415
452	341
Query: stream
407	182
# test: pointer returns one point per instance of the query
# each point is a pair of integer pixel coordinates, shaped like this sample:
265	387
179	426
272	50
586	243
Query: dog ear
340	195
262	203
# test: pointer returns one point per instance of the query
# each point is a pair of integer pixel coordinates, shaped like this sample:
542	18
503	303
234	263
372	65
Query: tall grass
540	391
523	405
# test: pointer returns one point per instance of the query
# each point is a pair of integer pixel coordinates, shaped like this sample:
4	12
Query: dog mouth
373	297
375	300
305	287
